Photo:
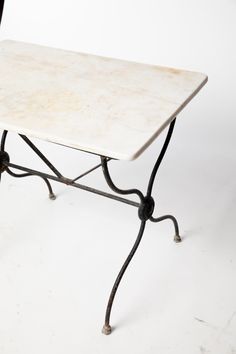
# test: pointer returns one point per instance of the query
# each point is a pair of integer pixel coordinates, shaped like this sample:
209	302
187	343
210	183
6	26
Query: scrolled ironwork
6	168
113	186
19	175
145	212
177	237
146	204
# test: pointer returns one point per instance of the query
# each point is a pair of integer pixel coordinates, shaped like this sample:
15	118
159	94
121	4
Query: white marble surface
106	106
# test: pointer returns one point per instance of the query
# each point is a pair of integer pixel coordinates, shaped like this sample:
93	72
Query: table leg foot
177	239
4	157
106	329
52	196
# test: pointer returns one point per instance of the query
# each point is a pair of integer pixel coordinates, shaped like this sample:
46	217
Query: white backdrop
190	307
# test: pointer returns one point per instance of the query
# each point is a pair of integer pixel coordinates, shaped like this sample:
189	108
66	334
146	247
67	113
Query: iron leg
177	237
107	328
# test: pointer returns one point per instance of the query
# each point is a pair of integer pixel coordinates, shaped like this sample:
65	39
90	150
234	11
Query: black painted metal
90	170
4	158
177	237
51	194
1	10
160	158
45	160
107	328
70	182
145	206
3	143
111	184
3	140
145	212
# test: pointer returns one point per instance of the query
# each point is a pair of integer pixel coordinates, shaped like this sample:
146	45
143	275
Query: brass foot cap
106	329
52	196
177	239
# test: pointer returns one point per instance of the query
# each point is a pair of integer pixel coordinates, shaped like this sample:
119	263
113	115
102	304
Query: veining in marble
106	106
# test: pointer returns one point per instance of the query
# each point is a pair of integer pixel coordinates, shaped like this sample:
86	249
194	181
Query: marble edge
55	140
158	132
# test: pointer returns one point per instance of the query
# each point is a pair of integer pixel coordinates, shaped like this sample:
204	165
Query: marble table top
101	105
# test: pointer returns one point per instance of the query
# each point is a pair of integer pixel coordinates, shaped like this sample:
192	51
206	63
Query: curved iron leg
3	155
1	11
2	147
160	158
107	328
146	208
113	186
51	194
177	237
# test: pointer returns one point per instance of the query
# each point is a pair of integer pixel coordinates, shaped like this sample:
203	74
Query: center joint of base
146	208
4	158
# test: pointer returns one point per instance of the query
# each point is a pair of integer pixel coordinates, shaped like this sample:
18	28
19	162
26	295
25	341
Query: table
108	107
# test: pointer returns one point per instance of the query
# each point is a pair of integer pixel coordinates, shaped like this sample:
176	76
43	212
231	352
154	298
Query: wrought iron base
146	204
